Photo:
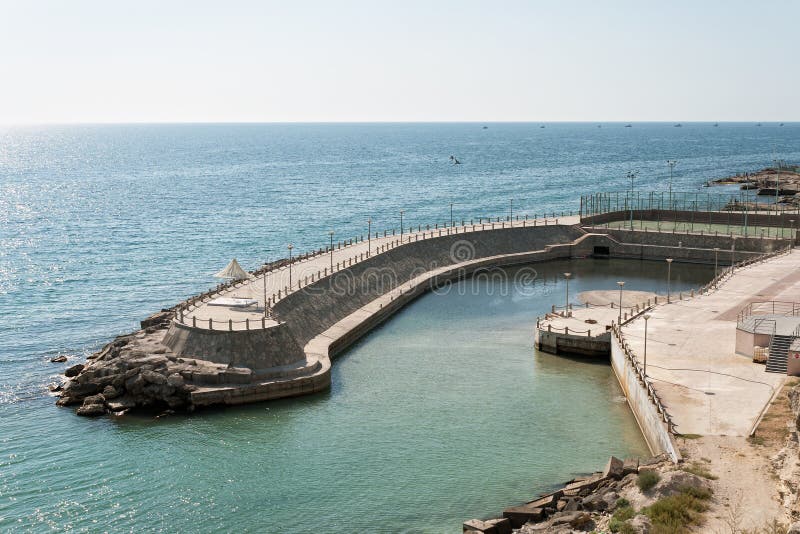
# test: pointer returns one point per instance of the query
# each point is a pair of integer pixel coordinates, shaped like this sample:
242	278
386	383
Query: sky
349	60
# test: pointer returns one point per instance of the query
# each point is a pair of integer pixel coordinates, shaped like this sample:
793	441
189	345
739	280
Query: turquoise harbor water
442	414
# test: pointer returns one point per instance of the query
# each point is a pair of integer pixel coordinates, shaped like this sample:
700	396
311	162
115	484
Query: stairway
778	348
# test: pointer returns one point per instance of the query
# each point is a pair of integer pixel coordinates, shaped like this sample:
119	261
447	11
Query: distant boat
599	125
542	126
781	124
628	126
716	124
679	125
485	127
454	160
759	124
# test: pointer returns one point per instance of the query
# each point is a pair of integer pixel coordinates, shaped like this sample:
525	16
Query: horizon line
471	121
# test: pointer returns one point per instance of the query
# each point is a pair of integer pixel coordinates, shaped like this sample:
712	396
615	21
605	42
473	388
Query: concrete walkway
278	280
706	387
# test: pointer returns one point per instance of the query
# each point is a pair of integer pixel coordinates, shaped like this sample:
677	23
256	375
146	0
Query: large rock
640	524
58	359
614	468
630	465
73	371
673	482
91	409
576	520
110	392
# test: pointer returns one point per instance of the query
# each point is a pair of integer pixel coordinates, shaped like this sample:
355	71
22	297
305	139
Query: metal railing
408	236
619	201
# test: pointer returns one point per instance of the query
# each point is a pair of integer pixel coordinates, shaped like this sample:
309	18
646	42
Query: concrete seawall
650	421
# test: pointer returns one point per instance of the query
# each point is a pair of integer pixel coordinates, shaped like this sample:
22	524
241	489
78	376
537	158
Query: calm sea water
444	413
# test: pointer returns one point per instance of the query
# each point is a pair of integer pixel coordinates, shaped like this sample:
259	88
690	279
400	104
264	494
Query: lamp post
330	233
733	253
265	294
290	247
620	284
646	318
566	299
369	236
632	175
716	261
451	214
669	279
511	211
671	163
401	225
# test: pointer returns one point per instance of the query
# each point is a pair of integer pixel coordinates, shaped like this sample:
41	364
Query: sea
444	413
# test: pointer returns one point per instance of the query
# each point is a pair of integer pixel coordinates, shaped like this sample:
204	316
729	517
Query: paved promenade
706	387
303	271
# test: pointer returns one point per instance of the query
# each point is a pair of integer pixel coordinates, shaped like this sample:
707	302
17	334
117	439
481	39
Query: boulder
673	482
121	404
614	468
91	409
58	359
630	465
640	524
594	503
75	389
54	387
794	528
577	520
110	392
546	501
75	370
95	399
175	380
153	377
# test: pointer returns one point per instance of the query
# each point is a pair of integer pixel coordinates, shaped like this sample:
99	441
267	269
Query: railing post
230	325
210	324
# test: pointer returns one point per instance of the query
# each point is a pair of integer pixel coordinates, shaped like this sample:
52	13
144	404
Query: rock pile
136	371
585	504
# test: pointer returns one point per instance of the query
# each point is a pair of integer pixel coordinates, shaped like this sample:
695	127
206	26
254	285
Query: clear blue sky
408	60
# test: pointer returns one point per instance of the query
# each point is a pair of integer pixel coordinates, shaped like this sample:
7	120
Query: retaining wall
653	428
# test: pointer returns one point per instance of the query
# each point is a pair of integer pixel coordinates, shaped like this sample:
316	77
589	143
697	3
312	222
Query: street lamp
669	279
451	214
369	236
632	175
620	284
330	232
566	299
716	261
265	294
511	211
401	225
733	253
646	318
671	163
290	247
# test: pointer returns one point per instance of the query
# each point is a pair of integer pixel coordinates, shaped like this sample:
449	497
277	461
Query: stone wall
318	306
254	349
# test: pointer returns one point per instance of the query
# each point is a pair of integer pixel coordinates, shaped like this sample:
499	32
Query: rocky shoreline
785	181
589	503
133	371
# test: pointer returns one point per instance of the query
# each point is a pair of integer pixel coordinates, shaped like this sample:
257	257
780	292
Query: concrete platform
706	387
